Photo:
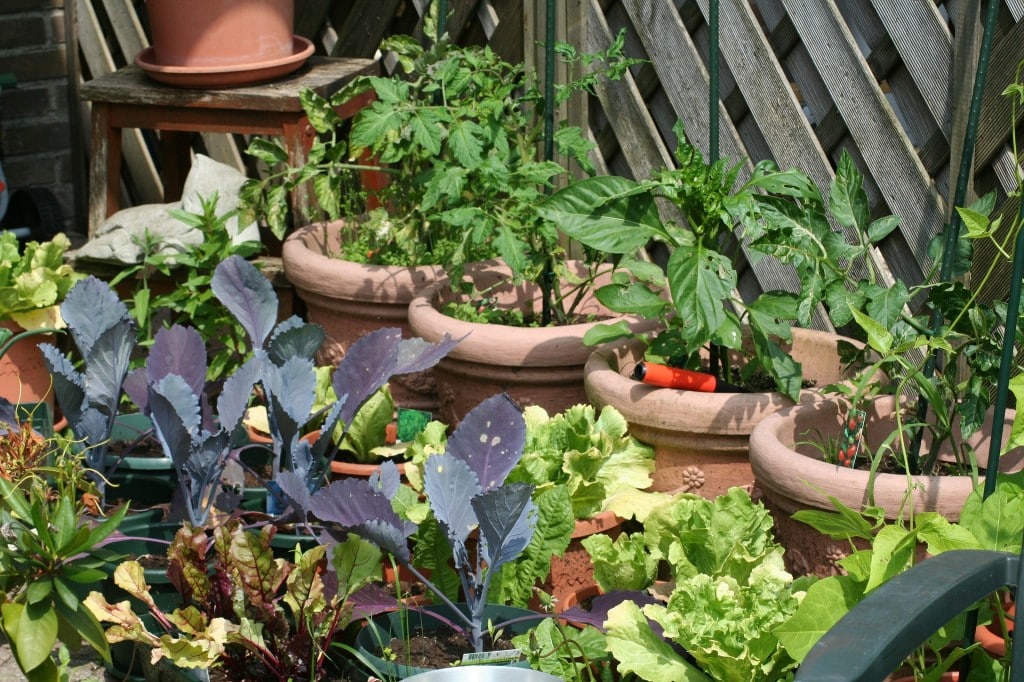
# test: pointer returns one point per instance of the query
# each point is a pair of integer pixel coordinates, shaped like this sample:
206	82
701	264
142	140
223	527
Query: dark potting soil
436	650
147	447
761	382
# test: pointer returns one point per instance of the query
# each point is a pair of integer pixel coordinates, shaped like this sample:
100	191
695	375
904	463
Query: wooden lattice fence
801	80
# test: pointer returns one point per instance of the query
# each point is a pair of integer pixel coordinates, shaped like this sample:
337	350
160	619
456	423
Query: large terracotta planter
792	475
24	377
350	300
701	440
535	365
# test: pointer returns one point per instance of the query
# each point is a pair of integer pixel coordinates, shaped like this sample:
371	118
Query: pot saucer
225	76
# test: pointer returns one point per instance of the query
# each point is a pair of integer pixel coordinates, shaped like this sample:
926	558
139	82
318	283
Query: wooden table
128	98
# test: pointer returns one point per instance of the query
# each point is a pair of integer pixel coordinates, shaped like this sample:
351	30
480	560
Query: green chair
878	634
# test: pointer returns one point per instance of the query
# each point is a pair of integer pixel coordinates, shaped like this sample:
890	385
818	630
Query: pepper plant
774	213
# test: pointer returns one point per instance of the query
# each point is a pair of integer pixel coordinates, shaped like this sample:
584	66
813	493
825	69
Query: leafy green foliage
566	652
621	564
457	131
956	325
46	560
34	282
775	213
592	455
244	611
993	523
730	592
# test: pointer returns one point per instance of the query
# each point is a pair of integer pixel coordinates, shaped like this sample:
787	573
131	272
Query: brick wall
35	124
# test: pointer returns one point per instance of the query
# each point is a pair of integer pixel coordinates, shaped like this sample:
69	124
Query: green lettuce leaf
624	564
593	456
727	625
640	651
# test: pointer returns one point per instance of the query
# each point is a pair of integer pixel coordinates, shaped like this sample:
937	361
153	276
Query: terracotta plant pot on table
792	475
350	300
535	365
701	440
222	43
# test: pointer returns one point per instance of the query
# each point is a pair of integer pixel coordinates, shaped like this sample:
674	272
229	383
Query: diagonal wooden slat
922	38
889	156
682	74
100	62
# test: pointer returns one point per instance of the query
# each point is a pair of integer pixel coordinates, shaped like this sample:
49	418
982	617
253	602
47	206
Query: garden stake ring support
955	223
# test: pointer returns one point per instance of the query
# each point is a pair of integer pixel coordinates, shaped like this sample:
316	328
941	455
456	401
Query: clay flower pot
991	636
350	300
701	440
341	469
24	377
792	475
573	570
535	365
222	43
220	33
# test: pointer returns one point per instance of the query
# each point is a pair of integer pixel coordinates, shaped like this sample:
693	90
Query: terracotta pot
341	469
794	477
573	570
535	365
220	33
991	636
350	300
701	440
578	597
24	377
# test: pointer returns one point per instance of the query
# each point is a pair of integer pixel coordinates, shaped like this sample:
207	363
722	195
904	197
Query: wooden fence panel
801	80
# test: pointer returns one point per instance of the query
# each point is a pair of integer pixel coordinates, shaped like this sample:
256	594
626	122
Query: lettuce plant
34	282
594	457
731	592
625	563
105	335
466	490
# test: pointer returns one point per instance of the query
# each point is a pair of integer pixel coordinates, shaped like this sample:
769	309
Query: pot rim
787	474
311	269
562	345
677	409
